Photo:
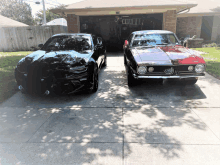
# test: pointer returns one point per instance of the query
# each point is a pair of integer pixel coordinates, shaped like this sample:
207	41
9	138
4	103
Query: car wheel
190	81
131	80
95	83
125	62
105	62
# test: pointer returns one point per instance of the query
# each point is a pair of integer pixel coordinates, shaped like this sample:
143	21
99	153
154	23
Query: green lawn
212	59
8	61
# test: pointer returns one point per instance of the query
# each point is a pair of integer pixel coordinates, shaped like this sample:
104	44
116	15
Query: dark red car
158	54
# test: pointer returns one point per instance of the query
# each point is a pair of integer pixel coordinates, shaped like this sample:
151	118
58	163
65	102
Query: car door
127	51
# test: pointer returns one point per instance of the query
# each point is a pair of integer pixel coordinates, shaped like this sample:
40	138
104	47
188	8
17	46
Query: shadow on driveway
100	128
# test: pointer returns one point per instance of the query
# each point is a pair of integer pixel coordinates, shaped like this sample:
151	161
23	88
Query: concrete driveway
151	123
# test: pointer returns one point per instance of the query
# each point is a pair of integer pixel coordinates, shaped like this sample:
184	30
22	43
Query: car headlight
190	68
200	68
151	69
78	69
142	70
21	66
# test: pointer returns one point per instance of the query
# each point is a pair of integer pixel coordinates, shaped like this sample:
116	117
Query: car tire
130	79
125	62
95	79
105	62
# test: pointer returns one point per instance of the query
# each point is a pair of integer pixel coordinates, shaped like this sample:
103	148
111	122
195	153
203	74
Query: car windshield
68	42
154	39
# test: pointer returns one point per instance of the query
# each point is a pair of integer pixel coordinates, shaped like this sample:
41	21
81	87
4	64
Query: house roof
204	7
124	3
179	5
7	22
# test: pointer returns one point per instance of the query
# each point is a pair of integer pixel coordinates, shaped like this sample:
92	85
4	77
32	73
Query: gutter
180	12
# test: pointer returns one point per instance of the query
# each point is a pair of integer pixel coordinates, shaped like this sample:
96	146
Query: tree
217	9
39	16
17	10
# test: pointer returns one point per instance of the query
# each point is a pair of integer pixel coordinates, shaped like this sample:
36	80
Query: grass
8	62
212	59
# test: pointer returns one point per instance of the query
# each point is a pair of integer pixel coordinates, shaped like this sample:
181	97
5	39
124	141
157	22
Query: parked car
66	63
158	54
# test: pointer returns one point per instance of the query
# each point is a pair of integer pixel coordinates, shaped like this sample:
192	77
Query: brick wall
73	23
188	26
169	20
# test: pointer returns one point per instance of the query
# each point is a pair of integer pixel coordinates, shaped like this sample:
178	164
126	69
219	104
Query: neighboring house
58	21
7	22
114	20
202	20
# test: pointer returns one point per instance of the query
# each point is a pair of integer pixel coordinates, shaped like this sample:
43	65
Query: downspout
179	12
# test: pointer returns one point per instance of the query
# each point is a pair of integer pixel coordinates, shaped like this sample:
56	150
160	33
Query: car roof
68	34
152	32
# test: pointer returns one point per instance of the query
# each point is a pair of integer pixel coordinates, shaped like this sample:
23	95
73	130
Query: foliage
8	61
16	10
39	16
218	39
210	45
217	9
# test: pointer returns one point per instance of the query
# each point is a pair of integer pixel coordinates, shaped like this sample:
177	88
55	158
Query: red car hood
167	55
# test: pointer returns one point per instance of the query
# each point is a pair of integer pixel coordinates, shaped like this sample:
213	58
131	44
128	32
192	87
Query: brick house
202	21
114	20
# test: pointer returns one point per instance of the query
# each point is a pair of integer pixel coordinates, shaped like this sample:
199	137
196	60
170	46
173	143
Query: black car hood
57	56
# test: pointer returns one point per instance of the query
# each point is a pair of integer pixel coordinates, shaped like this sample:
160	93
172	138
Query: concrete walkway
151	123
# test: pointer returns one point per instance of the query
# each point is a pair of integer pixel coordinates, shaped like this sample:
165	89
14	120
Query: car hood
166	55
56	57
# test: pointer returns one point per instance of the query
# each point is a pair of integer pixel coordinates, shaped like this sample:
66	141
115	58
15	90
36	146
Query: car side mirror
126	43
40	45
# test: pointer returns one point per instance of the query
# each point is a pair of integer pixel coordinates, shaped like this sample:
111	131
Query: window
154	39
68	42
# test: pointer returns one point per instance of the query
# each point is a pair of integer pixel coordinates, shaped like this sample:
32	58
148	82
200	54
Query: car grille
180	69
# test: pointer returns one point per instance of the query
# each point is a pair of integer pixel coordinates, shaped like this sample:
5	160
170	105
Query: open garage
115	29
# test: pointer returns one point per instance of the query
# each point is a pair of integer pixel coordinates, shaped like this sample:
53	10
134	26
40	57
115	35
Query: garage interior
115	29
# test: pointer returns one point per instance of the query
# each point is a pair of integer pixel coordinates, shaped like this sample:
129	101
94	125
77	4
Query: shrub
210	45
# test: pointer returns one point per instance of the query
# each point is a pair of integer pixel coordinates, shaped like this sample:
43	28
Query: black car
66	63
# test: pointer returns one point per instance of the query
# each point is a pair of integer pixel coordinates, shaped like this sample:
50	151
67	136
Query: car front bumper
65	85
168	77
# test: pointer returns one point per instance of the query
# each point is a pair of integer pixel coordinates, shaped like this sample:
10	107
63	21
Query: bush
210	45
218	39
